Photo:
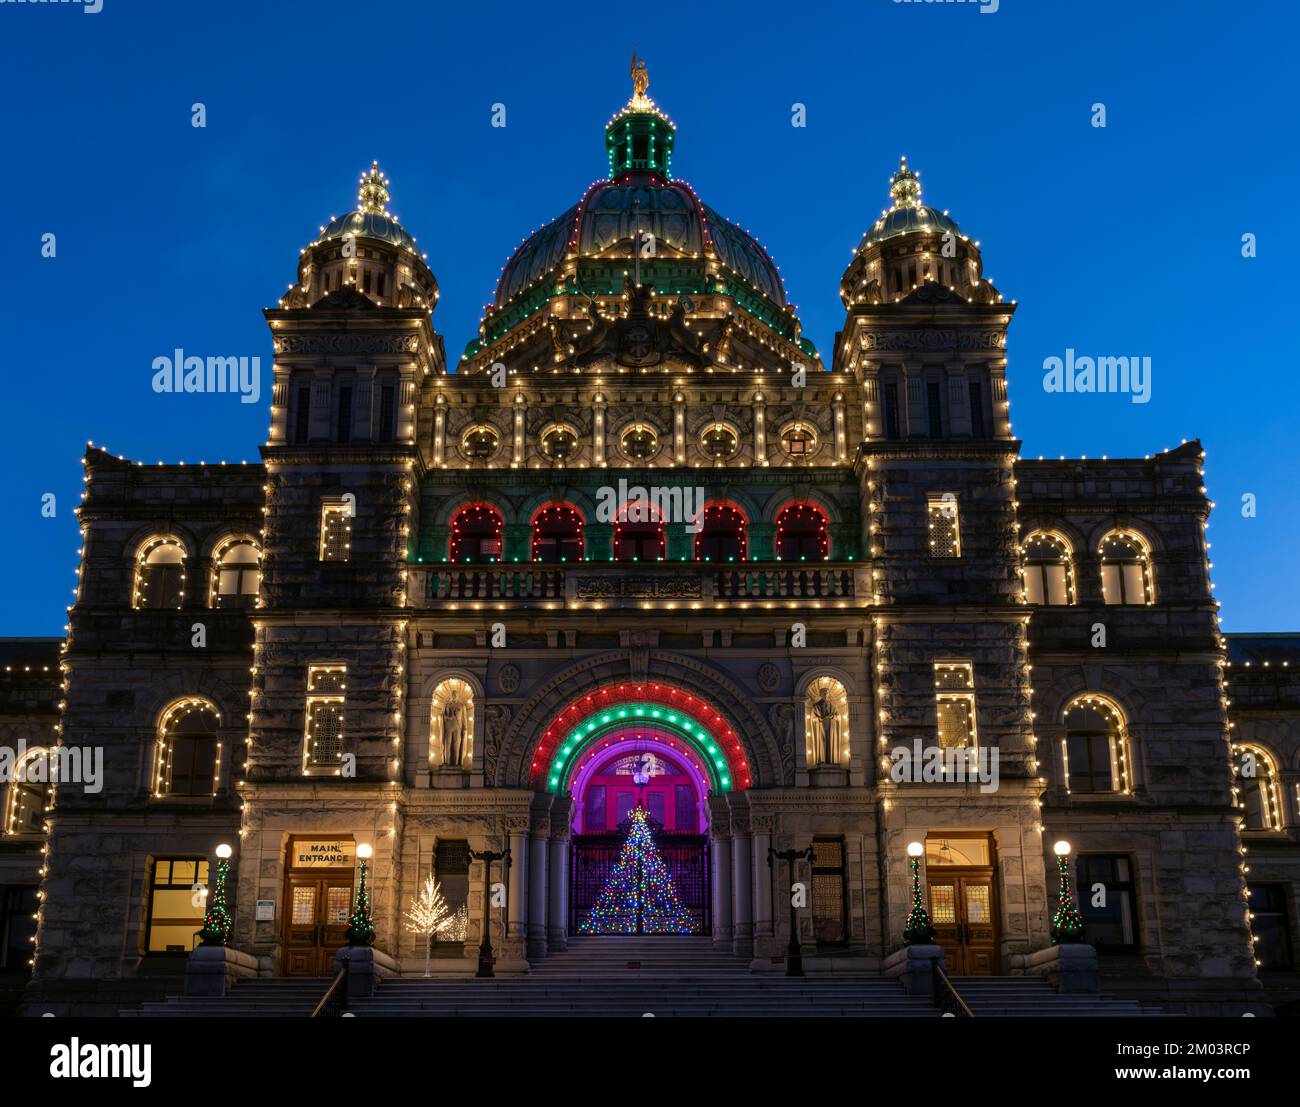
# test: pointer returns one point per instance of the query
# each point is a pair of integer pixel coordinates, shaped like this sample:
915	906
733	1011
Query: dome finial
640	78
372	197
905	187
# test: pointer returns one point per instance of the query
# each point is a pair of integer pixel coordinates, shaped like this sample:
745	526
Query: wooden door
316	923
965	921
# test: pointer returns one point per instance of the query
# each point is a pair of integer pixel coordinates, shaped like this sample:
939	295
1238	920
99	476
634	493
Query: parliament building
645	550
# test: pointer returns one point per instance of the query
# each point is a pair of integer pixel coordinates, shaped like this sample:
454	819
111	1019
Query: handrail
335	997
947	998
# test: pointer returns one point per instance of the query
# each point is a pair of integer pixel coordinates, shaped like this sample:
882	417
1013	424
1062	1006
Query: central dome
642	225
613	214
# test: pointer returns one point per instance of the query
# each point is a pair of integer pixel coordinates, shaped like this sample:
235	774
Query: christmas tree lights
640	896
1067	923
217	922
918	929
361	930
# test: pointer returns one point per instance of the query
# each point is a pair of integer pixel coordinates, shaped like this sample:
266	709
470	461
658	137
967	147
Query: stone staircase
634	977
1033	997
272	997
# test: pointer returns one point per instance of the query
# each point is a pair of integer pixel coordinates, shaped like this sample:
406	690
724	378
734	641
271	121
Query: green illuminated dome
693	252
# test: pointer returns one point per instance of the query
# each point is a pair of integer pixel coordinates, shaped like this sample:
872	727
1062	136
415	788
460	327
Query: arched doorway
640	849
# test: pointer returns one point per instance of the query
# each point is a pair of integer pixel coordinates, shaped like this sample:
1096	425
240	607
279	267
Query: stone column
722	934
538	851
557	886
742	895
518	885
762	888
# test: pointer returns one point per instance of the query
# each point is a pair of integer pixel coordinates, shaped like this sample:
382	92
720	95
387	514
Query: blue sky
1123	240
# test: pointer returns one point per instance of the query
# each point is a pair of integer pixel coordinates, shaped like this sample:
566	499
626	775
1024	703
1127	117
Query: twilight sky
1125	240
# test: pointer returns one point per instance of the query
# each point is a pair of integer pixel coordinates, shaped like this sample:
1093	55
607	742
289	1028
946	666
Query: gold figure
640	77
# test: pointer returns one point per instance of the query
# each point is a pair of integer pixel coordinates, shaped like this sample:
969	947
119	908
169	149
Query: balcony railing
674	584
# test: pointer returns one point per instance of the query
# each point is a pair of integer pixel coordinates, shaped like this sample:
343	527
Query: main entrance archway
639	859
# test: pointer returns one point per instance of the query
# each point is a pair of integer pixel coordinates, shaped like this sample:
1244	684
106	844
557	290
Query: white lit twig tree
427	915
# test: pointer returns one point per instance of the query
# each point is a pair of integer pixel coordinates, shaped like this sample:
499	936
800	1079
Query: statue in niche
453	725
827	723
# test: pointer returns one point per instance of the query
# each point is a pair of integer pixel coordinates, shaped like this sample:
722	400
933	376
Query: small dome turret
912	244
366	250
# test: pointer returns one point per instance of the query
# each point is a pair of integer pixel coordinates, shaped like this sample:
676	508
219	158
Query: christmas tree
1067	923
216	920
361	931
917	930
639	897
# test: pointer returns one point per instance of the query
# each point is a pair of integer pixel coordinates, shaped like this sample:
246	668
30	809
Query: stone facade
887	520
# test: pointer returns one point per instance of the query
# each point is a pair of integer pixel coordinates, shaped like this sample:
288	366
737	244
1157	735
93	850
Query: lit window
639	443
954	683
160	575
1125	570
189	753
945	533
557	534
798	441
719	442
802	534
639	541
1048	576
476	534
237	575
336	531
480	443
29	794
326	698
177	904
1256	787
1096	747
722	535
560	443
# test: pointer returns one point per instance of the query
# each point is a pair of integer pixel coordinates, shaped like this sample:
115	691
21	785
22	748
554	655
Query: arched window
237	574
1256	787
189	753
29	794
798	441
1049	576
722	535
1126	569
639	442
560	443
1096	750
802	534
557	534
476	534
159	575
480	443
638	540
719	442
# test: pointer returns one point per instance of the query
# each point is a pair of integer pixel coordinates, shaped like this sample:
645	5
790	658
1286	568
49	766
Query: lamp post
361	930
217	922
1067	923
486	958
793	954
918	930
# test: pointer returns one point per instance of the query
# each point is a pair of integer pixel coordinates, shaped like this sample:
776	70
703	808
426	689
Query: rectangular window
891	410
687	821
302	417
1111	927
335	531
380	283
386	410
451	870
828	891
177	903
594	823
976	410
1088	755
365	282
344	430
954	683
1269	927
935	409
326	699
945	533
17	928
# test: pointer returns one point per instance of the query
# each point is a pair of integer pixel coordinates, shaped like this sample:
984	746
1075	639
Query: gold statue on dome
640	77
